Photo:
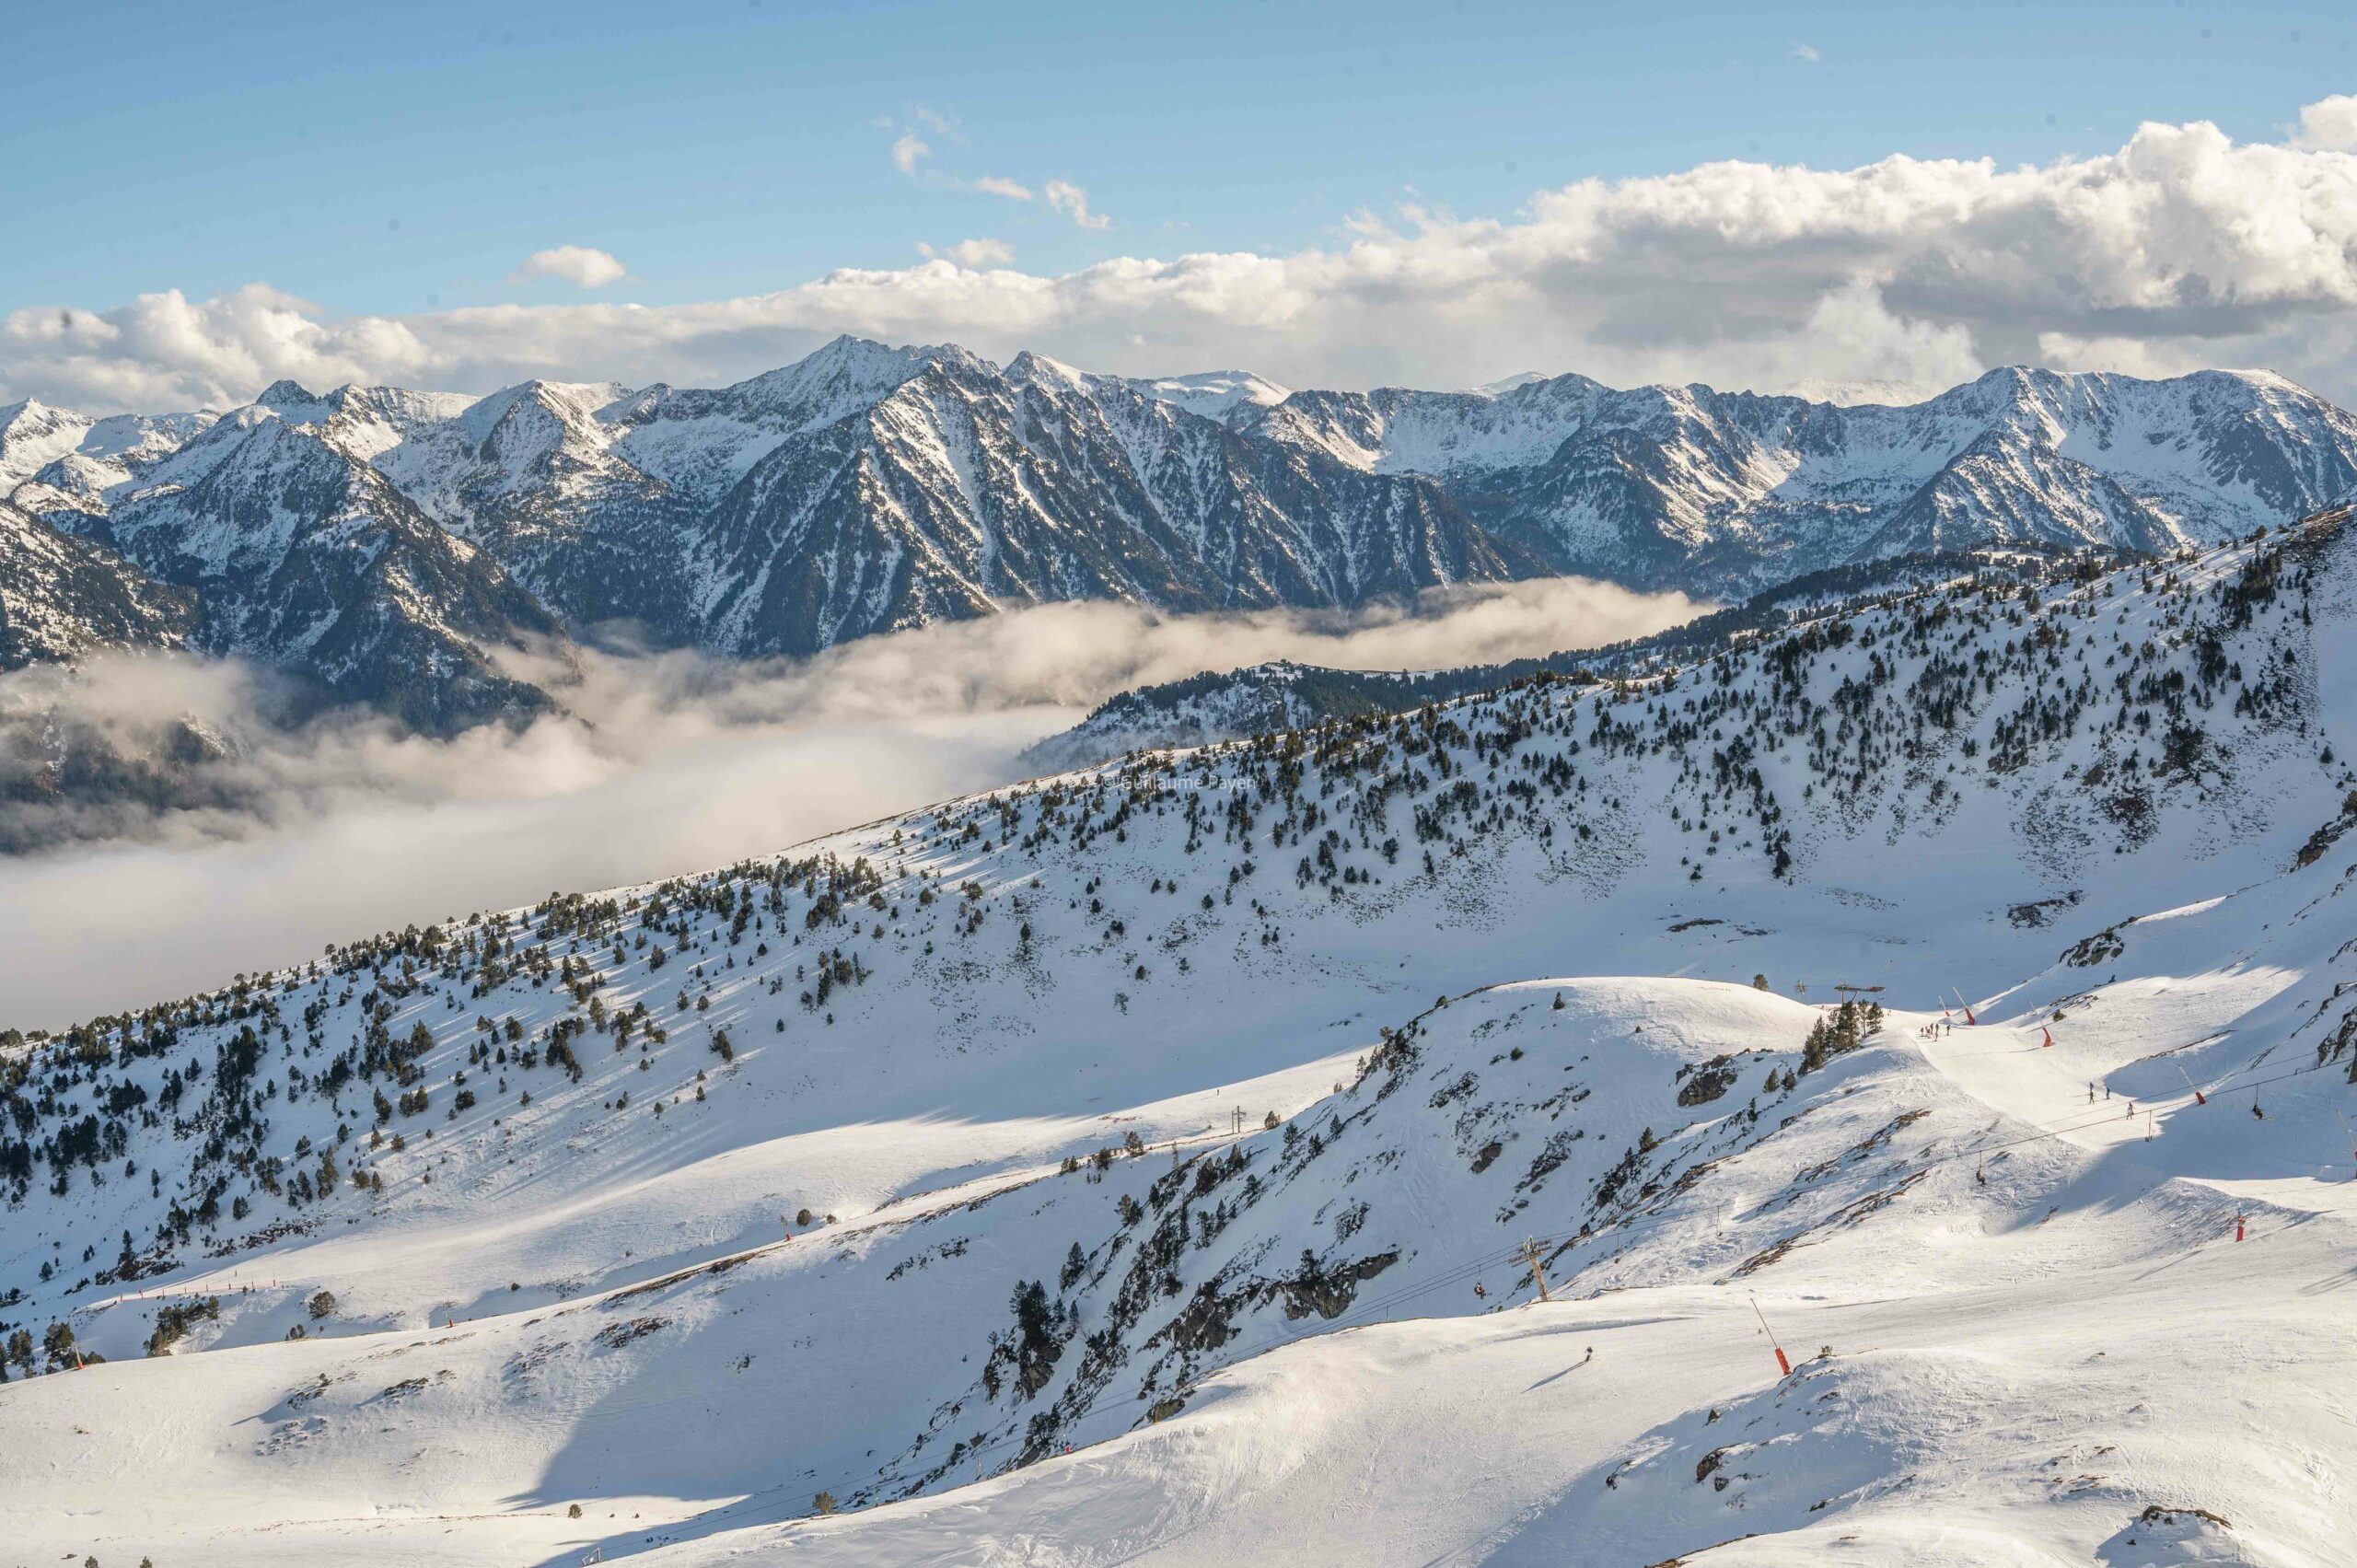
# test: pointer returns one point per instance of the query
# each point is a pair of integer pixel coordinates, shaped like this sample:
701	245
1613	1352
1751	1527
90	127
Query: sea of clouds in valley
663	763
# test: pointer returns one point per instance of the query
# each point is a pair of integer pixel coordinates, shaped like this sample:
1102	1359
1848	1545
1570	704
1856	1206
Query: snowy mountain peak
846	366
1215	394
1861	391
1027	366
845	356
31	415
1506	384
286	394
33	435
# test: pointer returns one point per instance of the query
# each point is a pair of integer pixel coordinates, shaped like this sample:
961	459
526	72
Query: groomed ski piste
1148	1164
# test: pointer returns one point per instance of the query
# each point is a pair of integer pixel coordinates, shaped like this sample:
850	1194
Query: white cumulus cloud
2329	124
1014	190
972	252
906	150
2181	247
580	265
1073	202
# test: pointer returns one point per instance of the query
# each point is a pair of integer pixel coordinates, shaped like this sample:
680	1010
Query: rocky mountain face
301	554
968	487
382	542
63	597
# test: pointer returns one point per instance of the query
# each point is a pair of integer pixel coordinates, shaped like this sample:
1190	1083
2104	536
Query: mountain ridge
868	488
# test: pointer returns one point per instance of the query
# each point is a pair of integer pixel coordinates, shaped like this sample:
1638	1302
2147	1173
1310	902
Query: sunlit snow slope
1167	1135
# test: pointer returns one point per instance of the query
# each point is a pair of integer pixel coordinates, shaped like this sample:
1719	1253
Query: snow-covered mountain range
377	540
1166	1162
1690	486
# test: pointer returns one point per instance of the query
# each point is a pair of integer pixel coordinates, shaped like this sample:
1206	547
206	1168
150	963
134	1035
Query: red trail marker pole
1783	1367
2198	1098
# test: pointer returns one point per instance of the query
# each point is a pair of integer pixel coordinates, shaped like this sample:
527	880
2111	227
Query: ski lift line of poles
1925	1162
2216	1087
162	1293
2087	1122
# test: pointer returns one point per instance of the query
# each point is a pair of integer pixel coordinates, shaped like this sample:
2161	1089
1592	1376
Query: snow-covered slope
1231	704
1374	1001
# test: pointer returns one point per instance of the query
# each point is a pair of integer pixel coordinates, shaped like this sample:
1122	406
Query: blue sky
1439	193
724	148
